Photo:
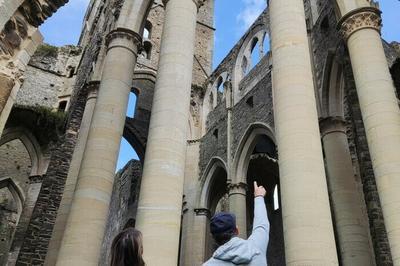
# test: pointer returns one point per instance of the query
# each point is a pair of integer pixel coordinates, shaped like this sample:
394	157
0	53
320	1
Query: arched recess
11	204
213	196
208	180
256	160
16	191
246	147
39	165
214	94
332	92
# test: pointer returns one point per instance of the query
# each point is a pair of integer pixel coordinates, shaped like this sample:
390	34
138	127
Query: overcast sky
65	26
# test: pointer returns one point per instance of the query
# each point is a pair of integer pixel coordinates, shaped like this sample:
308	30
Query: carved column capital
92	88
358	19
198	3
202	212
238	188
332	124
125	34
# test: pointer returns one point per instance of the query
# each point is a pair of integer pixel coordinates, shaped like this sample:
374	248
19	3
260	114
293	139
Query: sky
64	28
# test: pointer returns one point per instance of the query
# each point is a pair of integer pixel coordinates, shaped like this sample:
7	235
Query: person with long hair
127	248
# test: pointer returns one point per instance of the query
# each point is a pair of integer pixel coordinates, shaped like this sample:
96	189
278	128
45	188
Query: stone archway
213	197
20	158
256	160
11	203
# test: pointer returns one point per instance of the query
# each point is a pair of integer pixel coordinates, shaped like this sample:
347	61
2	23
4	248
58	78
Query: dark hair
223	238
127	249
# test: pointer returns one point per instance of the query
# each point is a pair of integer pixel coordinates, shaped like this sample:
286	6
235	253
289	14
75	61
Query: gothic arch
247	144
210	99
332	93
134	14
208	180
31	145
16	191
135	137
254	39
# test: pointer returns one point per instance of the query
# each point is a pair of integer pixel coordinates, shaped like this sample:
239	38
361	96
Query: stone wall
49	76
359	146
15	163
37	237
123	206
204	42
214	142
255	107
24	157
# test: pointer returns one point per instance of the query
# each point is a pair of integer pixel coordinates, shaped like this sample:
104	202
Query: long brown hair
127	248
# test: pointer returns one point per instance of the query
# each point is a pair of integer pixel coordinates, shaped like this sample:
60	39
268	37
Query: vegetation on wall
47	50
47	124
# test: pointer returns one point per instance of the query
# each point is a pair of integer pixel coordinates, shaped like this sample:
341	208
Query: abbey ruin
306	103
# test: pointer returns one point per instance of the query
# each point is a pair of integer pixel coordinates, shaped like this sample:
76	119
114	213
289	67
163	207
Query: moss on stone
47	124
47	50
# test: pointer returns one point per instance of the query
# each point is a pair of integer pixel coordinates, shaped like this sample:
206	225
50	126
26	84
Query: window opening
255	53
130	112
220	84
266	44
62	106
276	198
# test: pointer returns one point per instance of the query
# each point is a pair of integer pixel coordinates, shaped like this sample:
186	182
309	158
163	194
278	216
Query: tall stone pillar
70	184
238	206
200	225
86	222
347	203
380	111
160	202
307	221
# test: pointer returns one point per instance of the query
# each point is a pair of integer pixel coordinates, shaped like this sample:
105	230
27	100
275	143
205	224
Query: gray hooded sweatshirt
246	252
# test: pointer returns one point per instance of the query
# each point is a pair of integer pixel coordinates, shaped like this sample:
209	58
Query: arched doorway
263	168
256	160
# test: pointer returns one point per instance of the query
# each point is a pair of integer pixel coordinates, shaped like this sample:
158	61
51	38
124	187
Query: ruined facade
306	104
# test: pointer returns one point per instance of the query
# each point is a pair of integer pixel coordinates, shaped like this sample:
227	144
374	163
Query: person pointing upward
233	250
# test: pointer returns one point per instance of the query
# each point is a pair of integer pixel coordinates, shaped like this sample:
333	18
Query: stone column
347	204
200	247
238	206
380	111
160	202
70	184
87	218
307	221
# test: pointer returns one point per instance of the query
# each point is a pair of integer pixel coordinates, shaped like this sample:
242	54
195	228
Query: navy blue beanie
223	222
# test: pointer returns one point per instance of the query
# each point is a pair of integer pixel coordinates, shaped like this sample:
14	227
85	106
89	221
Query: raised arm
260	233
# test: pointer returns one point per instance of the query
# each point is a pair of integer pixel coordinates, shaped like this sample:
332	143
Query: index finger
255	185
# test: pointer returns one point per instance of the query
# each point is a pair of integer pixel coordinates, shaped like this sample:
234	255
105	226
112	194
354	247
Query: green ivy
45	122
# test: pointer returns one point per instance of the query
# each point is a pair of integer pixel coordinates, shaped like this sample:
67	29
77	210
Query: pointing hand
259	191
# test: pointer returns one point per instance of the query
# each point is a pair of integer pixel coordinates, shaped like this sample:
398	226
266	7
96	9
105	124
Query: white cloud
252	9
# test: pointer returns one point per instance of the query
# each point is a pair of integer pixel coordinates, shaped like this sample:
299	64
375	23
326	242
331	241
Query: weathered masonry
306	103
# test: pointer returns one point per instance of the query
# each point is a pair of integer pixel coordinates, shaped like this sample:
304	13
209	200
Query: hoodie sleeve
260	234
